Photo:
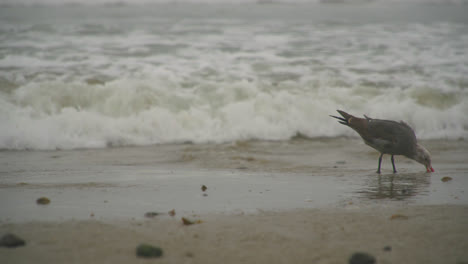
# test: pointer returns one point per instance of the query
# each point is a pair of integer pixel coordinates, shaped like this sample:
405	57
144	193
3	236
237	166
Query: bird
388	137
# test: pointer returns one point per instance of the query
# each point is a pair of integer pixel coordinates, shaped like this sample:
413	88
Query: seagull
388	137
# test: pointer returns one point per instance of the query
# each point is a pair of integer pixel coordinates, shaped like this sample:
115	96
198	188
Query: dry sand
416	234
302	201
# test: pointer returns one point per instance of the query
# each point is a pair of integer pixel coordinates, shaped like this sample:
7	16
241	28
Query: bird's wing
390	136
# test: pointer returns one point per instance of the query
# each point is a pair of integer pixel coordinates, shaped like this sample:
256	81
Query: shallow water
247	177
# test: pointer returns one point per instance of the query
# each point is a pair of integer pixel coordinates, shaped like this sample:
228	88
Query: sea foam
149	111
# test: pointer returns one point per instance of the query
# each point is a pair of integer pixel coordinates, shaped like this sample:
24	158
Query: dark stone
387	248
43	200
11	241
148	251
362	258
151	214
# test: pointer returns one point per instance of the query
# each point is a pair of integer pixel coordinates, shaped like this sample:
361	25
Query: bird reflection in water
396	186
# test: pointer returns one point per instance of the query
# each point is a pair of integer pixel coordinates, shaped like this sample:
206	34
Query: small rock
43	200
362	258
205	194
399	217
186	221
172	212
446	179
387	248
204	188
11	241
148	251
151	214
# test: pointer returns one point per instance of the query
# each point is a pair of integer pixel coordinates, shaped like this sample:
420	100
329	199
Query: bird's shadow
398	186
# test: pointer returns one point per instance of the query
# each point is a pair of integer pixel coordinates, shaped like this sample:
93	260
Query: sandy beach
219	112
421	234
297	201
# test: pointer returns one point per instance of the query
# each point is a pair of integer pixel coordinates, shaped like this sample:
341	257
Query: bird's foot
378	171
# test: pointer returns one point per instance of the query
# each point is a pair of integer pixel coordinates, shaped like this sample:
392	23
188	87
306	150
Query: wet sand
300	201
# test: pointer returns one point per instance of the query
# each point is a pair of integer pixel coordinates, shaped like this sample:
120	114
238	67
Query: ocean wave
57	115
166	75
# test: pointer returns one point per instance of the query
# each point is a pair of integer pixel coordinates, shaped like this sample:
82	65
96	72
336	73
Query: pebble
362	258
151	214
43	200
398	217
11	241
446	179
186	221
172	212
148	251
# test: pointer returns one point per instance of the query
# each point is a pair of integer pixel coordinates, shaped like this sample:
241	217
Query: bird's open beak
429	169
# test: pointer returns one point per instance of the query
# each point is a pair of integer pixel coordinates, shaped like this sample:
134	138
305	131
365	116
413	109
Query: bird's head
424	157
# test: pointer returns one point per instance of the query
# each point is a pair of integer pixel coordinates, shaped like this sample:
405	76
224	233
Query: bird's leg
380	161
393	163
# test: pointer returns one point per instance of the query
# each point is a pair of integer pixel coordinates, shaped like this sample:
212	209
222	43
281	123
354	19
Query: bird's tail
343	120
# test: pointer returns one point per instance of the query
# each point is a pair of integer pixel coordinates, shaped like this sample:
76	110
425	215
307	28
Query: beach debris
204	188
362	258
387	248
398	217
172	212
43	200
151	214
186	221
446	179
148	251
11	241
